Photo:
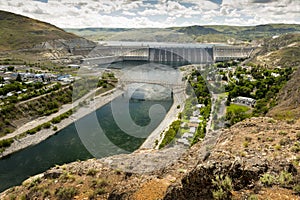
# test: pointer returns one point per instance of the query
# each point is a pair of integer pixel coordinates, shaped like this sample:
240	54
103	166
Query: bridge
154	82
190	54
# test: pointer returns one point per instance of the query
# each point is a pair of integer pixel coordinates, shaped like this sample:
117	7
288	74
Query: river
66	146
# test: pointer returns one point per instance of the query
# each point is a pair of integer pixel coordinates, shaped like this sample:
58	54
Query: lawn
235	107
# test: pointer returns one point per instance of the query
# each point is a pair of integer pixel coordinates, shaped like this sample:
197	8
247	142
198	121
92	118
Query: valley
87	117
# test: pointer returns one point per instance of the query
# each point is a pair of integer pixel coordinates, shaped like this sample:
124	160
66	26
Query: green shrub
296	188
298	136
224	187
277	147
56	120
66	193
6	143
92	172
296	147
46	125
284	141
54	128
285	178
31	131
96	183
282	133
219	194
267	179
252	197
100	191
245	144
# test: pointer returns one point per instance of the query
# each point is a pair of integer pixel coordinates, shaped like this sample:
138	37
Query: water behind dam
67	145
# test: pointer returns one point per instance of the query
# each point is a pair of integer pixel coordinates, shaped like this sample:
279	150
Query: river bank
179	98
42	135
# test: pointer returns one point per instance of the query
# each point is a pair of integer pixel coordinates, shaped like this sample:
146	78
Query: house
245	100
74	66
183	141
9	94
275	74
195	120
200	105
192	129
196	113
187	135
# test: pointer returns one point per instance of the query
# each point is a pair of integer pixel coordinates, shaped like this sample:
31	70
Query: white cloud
128	13
137	13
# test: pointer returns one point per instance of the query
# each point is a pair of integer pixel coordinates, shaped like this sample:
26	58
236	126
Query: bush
91	172
296	188
224	187
298	136
252	197
46	125
31	132
6	143
56	120
54	128
285	178
66	193
98	183
296	147
267	179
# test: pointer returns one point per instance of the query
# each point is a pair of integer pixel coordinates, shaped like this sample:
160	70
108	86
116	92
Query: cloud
160	13
128	13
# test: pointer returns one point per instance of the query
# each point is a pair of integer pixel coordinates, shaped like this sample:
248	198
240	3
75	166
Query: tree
10	68
19	78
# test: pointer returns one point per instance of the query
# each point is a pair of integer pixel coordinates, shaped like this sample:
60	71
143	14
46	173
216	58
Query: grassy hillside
212	33
282	51
288	102
19	32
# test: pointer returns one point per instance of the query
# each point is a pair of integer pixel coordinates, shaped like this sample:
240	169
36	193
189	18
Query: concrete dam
166	54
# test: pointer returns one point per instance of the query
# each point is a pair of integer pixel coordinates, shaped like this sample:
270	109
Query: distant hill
209	33
281	51
20	32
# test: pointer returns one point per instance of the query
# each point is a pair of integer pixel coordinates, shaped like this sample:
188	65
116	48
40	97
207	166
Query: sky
155	13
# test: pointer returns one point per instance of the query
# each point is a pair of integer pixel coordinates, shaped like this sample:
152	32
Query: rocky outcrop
64	50
74	46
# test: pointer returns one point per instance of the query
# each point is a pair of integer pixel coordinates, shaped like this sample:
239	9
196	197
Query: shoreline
171	115
29	140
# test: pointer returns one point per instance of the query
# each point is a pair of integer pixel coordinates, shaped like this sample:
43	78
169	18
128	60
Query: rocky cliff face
255	159
65	50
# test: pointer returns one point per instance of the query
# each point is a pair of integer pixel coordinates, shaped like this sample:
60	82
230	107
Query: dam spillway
176	53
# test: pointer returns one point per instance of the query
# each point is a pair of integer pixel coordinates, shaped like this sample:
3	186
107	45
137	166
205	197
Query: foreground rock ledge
245	152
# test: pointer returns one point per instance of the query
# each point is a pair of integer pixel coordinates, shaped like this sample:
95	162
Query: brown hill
20	32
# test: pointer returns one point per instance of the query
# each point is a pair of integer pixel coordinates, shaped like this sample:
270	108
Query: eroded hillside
283	51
